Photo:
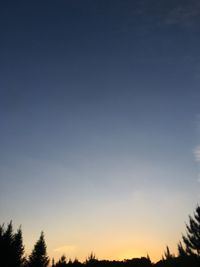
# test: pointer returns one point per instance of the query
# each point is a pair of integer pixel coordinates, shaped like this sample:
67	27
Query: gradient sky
100	123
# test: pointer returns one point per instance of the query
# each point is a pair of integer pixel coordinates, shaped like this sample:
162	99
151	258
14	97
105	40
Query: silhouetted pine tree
167	254
91	259
62	262
1	238
2	245
181	251
11	247
192	238
38	257
7	246
18	248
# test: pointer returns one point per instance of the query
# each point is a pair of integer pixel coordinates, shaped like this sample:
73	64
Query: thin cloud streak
65	248
183	14
197	154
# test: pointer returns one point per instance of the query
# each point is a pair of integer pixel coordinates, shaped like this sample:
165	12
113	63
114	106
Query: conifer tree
181	250
192	237
167	254
38	257
7	246
11	247
1	237
18	248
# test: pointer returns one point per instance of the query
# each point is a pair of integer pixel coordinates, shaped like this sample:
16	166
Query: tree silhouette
38	257
8	244
91	259
167	254
192	237
6	238
62	261
18	248
181	251
11	247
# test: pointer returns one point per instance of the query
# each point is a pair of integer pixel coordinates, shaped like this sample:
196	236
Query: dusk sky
100	123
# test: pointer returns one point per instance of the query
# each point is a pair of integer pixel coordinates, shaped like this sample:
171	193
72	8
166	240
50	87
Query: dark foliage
192	238
38	257
11	247
93	261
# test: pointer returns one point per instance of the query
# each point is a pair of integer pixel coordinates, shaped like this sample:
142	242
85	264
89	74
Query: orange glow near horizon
109	251
120	237
109	255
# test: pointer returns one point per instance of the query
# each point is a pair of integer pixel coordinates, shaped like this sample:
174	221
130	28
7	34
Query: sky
100	124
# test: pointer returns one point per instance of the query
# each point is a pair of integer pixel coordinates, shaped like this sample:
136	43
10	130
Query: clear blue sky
99	123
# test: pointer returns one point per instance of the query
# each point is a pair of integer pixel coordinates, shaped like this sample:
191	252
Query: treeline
12	251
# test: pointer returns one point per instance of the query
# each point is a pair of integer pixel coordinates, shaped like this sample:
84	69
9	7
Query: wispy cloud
65	249
198	179
196	152
183	14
